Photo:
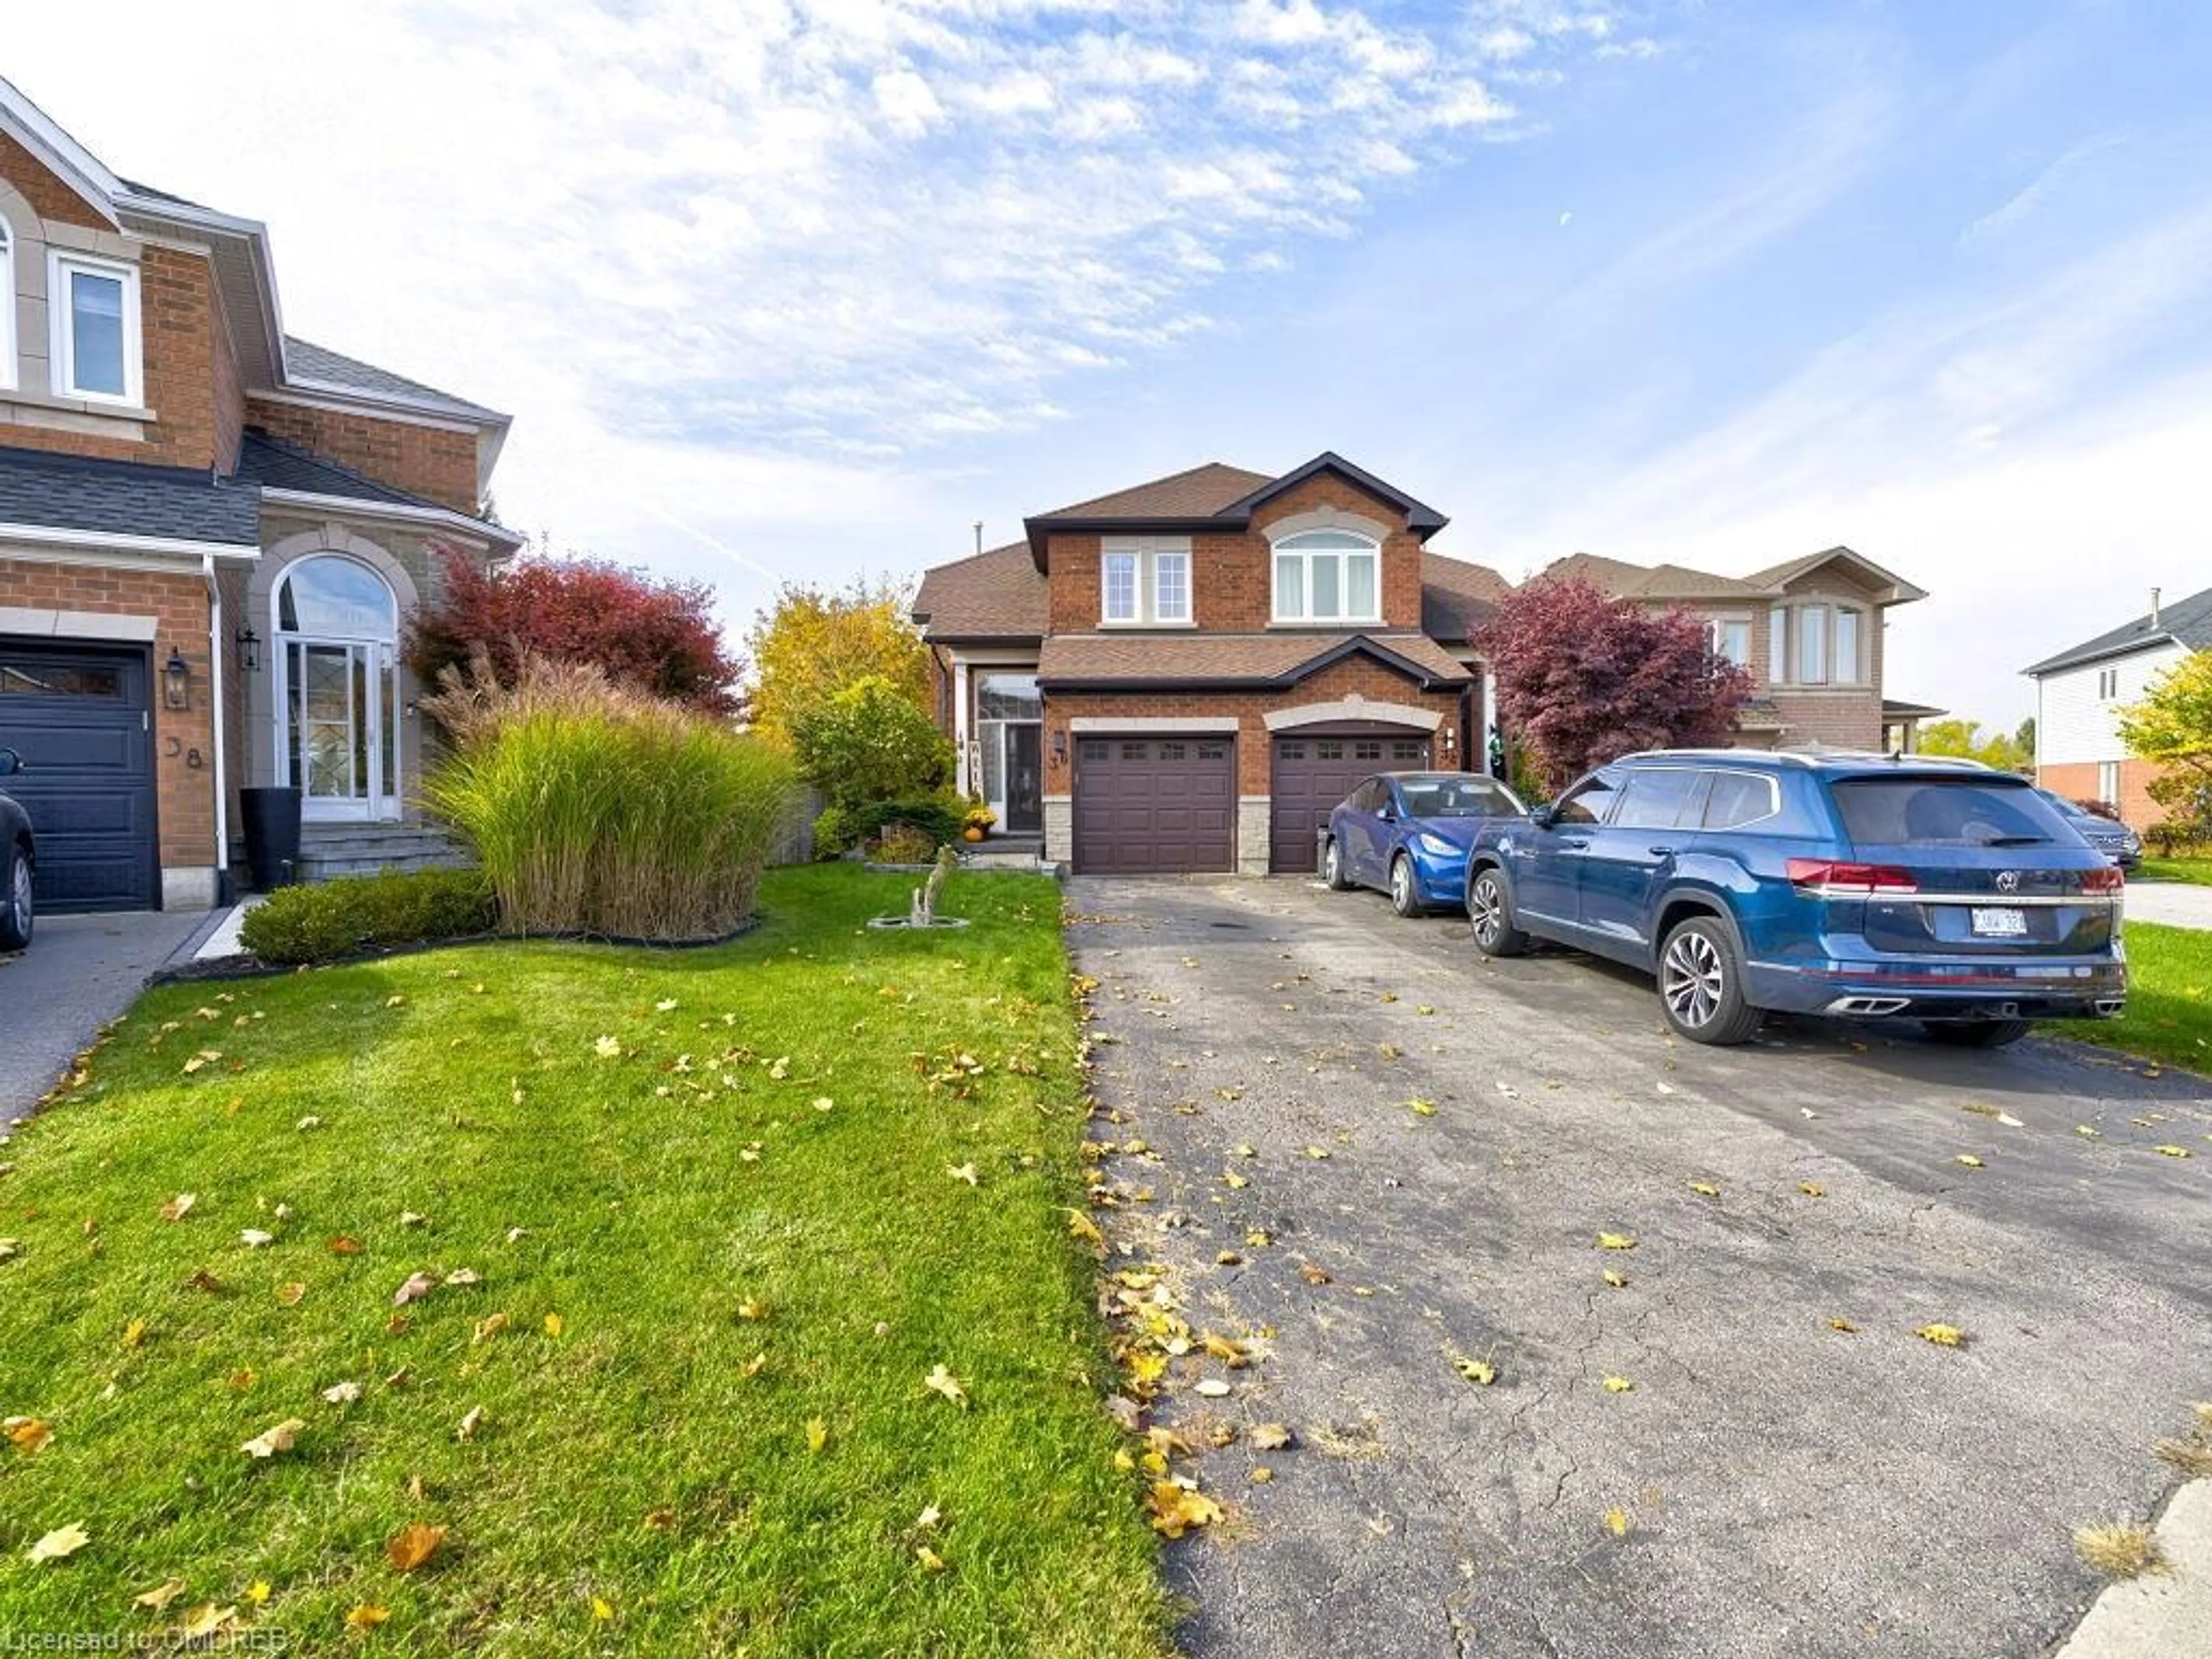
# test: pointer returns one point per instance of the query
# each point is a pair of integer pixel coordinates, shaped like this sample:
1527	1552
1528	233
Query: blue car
1867	886
1407	834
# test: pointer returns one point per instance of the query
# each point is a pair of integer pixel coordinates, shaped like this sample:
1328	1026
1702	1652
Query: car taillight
1830	875
2107	880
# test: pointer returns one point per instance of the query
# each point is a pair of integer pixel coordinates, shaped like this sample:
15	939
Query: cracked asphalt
1787	1487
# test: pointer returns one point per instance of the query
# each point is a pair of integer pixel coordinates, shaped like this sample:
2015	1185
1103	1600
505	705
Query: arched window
337	598
1328	576
8	373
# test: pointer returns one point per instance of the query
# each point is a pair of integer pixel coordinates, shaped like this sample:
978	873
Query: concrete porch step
364	849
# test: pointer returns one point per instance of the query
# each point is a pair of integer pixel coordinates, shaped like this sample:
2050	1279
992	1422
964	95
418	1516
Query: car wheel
16	901
1701	984
1491	915
1978	1033
1405	892
1332	866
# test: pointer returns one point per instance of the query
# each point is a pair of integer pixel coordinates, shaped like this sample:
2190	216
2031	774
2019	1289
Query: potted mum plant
979	819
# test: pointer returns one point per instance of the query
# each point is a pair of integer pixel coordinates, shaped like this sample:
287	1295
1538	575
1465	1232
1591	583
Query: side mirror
1544	817
10	761
1387	813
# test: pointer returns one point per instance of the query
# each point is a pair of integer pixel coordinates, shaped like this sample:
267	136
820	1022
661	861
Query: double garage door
1313	773
78	716
1160	805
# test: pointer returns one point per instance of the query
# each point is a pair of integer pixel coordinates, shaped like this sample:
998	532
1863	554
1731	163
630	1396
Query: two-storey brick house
1187	674
1809	631
211	534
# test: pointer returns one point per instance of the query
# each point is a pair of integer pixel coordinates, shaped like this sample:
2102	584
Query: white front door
334	698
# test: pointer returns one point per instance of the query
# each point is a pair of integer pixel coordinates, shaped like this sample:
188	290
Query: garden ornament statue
921	910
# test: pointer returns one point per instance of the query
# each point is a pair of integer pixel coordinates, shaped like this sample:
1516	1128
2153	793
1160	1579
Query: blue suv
1861	886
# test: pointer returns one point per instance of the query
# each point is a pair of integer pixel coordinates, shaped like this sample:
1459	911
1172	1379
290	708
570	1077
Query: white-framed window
7	306
94	304
2108	684
1731	638
1813	645
1850	671
1777	646
2108	783
1328	576
1144	582
1171	587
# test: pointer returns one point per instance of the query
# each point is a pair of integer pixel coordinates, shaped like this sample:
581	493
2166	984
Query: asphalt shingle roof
1199	493
269	461
1457	598
125	498
306	360
2185	622
999	594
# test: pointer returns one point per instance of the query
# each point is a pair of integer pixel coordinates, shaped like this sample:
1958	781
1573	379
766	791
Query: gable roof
2186	623
312	366
1071	662
995	595
1213	496
1664	582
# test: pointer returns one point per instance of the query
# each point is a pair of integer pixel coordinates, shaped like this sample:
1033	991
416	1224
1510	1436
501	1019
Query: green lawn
2169	1016
2195	872
745	1223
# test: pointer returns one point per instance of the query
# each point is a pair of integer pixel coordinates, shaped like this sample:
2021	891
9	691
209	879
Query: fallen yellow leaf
367	1617
1616	1241
1476	1370
269	1442
1616	1522
413	1546
1705	1190
1969	1160
1943	1336
817	1434
59	1544
945	1383
930	1559
1812	1189
553	1325
1619	1385
28	1433
1176	1508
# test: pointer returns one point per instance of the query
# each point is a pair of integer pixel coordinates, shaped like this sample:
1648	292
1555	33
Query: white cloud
906	102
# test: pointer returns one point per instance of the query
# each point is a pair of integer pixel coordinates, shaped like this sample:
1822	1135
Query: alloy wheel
1329	871
20	900
1488	909
1692	978
1401	885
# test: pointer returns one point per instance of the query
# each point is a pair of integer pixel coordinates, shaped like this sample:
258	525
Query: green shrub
869	742
598	809
903	843
358	913
840	829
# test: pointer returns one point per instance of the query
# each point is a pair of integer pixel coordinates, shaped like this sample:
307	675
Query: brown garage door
1155	806
1313	774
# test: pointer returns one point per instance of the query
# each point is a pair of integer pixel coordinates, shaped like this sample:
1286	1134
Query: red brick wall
2077	781
424	461
1232	578
1842	719
1368	678
47	194
184	794
178	320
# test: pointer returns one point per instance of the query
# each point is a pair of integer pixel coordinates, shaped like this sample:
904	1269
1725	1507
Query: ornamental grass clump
596	809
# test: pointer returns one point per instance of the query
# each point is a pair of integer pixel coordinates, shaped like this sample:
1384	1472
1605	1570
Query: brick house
1187	674
2080	692
1810	630
212	535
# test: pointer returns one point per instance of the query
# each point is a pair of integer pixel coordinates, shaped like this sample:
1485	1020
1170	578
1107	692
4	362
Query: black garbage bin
272	836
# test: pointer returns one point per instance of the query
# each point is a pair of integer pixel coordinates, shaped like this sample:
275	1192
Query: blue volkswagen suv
1861	886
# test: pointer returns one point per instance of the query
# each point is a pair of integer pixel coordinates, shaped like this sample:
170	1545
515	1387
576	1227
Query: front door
1024	742
336	727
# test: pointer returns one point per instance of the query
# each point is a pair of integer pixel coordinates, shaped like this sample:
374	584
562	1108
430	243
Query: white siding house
2077	709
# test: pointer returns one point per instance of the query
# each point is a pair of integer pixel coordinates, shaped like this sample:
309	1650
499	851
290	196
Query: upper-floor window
1144	580
1817	645
6	307
2108	684
1731	637
94	306
1325	576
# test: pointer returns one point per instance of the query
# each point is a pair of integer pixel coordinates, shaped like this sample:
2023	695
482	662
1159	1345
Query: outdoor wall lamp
1059	746
249	648
176	681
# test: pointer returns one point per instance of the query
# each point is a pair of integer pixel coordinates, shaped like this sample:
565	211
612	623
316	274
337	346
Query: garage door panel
1311	774
77	716
1154	806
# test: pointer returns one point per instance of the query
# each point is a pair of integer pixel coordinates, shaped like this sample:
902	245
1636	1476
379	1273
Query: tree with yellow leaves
2172	727
816	641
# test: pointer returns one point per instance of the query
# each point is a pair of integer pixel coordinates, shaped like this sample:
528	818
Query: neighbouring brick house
211	534
1186	675
2080	692
1809	630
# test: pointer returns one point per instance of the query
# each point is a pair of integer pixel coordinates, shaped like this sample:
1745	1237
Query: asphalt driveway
80	973
1779	1485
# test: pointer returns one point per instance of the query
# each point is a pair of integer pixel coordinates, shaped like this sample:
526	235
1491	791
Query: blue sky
793	289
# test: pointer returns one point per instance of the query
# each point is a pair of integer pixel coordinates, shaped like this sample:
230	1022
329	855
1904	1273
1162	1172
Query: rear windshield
1945	812
1467	797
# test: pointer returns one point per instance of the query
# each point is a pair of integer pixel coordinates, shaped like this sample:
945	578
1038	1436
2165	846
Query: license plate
1993	922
